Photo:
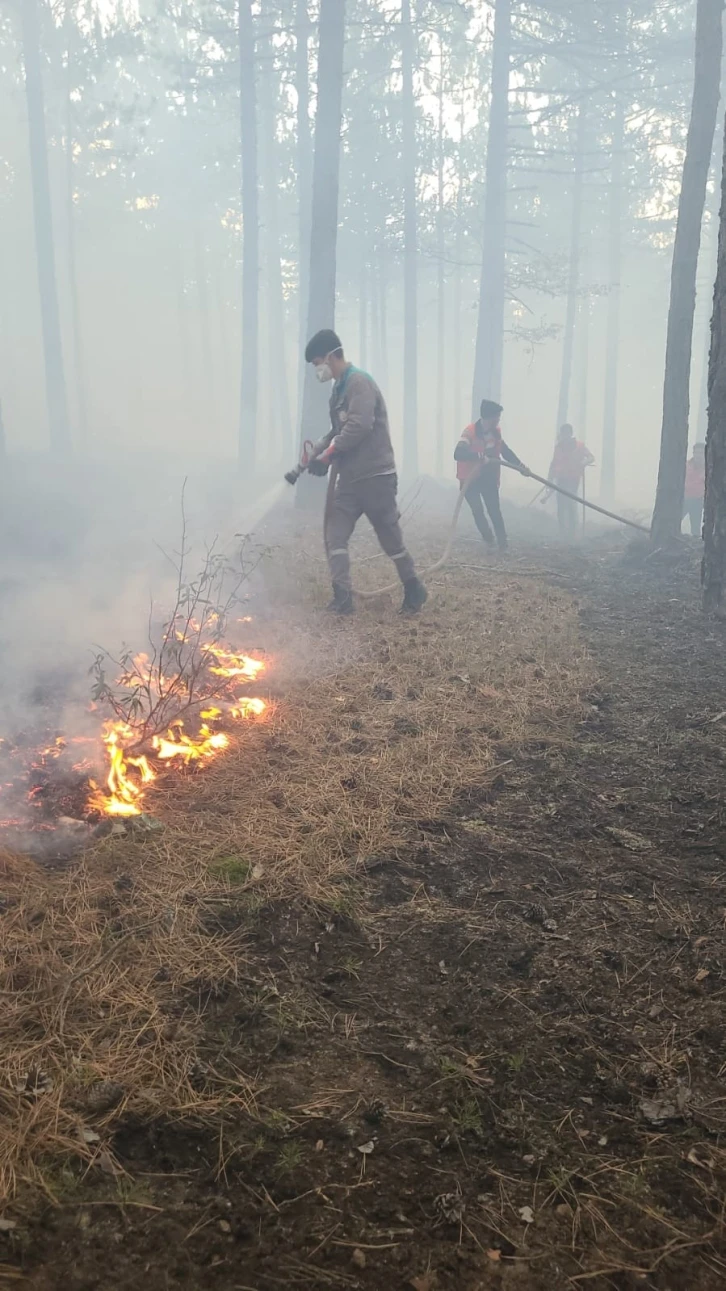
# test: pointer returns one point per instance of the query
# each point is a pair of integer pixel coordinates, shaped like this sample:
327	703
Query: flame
178	744
233	665
124	791
246	707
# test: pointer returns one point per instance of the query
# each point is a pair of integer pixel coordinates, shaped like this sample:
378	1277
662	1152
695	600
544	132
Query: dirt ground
466	1045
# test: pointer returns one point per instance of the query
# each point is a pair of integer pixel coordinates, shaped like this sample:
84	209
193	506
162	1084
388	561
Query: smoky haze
143	145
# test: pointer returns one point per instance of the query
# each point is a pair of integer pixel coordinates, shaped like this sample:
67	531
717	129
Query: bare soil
490	1054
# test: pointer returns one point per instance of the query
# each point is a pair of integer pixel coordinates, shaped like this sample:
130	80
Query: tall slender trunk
410	249
490	326
583	368
363	300
209	384
304	166
78	348
612	338
573	274
324	225
383	316
713	569
668	512
3	440
458	277
441	429
276	328
55	381
250	243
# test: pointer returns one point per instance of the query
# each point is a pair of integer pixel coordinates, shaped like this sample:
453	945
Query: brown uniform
367	481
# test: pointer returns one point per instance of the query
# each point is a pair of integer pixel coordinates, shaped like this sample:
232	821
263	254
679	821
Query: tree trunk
490	325
250	242
713	569
458	280
55	381
78	357
206	350
584	368
573	275
708	263
304	163
668	512
324	224
363	306
383	317
410	249
441	428
612	338
273	262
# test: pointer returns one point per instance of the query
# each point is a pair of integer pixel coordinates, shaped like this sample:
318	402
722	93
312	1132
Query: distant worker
695	489
477	456
571	457
359	445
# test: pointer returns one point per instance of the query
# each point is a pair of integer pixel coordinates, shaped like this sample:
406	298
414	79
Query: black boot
414	596
342	602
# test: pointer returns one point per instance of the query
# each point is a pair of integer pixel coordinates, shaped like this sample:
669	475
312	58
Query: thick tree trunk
3	440
490	326
304	165
713	570
250	243
410	249
668	512
276	329
573	274
78	356
55	381
708	264
441	428
612	339
383	318
324	225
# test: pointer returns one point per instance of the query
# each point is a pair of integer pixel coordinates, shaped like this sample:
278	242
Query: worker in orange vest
477	456
695	489
570	459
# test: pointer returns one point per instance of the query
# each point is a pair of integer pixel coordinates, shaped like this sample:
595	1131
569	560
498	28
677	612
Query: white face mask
323	372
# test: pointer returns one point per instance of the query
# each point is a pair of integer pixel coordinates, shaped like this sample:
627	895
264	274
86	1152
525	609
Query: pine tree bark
457	395
55	381
276	328
442	435
410	249
573	273
668	512
78	348
713	569
324	223
250	243
304	164
612	336
490	326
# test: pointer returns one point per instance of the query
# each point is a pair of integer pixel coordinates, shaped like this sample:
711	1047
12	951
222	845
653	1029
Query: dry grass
377	726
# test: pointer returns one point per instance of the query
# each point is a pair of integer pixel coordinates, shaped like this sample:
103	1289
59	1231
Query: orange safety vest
695	481
568	463
489	442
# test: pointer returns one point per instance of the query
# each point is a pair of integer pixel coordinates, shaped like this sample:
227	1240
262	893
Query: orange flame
124	791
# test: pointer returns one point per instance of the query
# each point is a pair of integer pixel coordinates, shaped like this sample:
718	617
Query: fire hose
294	475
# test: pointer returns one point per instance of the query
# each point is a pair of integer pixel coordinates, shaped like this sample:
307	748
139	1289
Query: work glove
524	470
318	466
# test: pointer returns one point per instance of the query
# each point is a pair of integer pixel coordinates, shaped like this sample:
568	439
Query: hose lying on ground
432	569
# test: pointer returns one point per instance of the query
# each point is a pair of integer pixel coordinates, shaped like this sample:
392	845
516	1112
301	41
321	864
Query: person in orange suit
569	461
695	489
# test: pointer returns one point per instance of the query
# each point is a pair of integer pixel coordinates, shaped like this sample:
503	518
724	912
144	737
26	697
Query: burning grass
377	728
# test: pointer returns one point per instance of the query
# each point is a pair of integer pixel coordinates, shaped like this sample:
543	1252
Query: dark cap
490	409
322	344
